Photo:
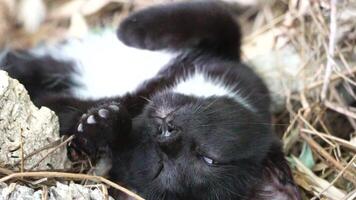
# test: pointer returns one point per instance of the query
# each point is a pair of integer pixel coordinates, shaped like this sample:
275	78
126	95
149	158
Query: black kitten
196	127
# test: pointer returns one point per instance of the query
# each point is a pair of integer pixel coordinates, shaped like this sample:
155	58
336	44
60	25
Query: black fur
161	141
42	76
207	26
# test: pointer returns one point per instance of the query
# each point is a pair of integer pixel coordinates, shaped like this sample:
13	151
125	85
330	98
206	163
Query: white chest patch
106	66
200	85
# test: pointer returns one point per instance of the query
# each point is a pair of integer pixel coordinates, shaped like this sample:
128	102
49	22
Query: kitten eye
209	161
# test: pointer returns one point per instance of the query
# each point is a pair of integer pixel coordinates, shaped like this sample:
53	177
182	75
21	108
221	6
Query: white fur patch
202	86
103	166
107	67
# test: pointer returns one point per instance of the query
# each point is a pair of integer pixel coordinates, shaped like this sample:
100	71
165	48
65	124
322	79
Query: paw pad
103	113
91	119
114	107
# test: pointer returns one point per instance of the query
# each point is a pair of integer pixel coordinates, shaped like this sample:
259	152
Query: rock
38	128
14	191
75	191
59	192
19	118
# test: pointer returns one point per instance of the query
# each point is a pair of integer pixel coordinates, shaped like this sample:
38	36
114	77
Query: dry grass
320	135
320	139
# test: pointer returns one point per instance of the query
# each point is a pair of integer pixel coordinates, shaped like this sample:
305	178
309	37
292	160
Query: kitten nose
168	137
168	133
169	141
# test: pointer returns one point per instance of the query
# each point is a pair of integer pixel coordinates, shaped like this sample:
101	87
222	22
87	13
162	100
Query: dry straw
320	140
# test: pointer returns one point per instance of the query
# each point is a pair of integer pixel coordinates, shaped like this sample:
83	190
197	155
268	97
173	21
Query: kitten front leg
104	127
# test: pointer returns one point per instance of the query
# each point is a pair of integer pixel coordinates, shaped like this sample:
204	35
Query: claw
80	127
84	115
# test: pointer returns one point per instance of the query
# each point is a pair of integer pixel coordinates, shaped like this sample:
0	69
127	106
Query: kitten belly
105	66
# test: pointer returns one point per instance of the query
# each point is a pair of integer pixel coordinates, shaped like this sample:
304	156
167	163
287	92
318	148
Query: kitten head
212	146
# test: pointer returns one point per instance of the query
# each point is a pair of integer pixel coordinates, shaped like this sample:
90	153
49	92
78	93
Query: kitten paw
98	128
98	119
149	30
134	33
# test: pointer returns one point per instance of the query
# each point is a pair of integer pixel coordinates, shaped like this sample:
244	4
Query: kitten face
211	145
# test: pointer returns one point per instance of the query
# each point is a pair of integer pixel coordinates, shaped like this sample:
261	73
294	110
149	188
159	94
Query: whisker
147	99
73	108
233	123
209	105
197	110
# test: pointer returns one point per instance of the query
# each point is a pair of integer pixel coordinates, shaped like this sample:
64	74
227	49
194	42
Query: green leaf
306	156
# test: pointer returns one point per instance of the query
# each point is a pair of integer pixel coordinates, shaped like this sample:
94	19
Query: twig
349	176
105	192
51	151
313	129
48	146
21	152
342	142
343	103
331	49
44	193
5	171
332	78
289	140
346	79
339	109
351	195
338	176
72	176
264	28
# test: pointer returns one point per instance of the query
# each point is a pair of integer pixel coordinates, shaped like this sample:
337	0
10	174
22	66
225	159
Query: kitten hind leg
206	25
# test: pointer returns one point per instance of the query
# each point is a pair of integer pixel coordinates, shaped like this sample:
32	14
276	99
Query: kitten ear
206	25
